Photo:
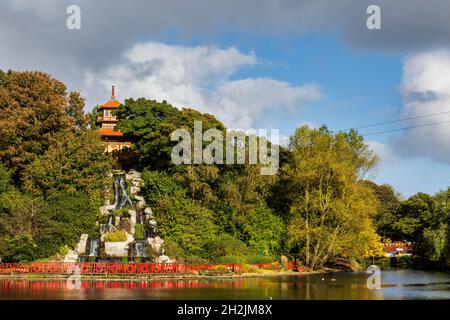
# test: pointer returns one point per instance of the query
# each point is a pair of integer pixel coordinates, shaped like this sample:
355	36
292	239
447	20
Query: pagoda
114	140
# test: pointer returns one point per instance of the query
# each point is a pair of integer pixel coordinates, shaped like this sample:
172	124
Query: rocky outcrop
71	256
163	259
118	249
156	244
81	246
127	188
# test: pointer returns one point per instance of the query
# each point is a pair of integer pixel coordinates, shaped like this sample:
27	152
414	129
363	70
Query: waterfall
93	247
125	198
141	248
121	198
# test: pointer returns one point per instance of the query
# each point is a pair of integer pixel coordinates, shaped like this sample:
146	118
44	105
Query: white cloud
425	89
199	77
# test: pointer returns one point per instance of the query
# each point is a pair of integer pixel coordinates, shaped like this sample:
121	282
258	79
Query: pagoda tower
113	139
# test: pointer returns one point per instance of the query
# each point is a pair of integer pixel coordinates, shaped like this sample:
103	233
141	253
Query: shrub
63	250
121	212
139	231
249	268
116	236
271	266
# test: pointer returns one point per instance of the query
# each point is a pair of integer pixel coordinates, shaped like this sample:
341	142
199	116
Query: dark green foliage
52	167
71	215
4	178
139	231
19	248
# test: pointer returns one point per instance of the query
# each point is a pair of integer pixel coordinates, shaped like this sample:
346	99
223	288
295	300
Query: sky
260	64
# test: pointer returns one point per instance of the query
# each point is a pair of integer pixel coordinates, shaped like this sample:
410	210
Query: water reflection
395	285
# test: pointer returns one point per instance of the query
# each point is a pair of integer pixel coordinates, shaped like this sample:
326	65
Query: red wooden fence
116	267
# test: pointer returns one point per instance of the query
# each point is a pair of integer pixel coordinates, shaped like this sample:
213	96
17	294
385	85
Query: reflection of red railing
117	268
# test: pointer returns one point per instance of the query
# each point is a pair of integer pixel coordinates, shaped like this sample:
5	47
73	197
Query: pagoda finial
113	93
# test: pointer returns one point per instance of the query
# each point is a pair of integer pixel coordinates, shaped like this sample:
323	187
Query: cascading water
93	247
121	198
141	248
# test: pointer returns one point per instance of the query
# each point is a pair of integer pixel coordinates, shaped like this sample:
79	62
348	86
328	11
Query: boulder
134	174
135	190
136	183
148	211
139	198
164	259
110	208
141	204
118	249
155	243
81	246
117	221
132	214
104	211
71	256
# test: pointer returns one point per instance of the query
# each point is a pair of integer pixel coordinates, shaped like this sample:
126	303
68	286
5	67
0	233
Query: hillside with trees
319	207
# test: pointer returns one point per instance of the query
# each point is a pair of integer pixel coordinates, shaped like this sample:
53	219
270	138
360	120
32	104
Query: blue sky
259	64
359	86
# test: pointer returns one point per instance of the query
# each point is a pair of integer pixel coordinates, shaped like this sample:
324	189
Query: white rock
104	211
117	221
155	243
135	174
139	198
136	183
71	256
141	204
118	249
110	207
135	190
152	223
81	246
148	211
164	259
132	214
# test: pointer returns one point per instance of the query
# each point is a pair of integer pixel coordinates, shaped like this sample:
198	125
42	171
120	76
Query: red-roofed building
113	138
398	248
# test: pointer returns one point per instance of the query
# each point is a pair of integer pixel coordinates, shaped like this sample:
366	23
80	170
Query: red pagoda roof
112	103
110	132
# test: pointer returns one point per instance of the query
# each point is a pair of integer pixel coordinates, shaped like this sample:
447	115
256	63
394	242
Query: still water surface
404	284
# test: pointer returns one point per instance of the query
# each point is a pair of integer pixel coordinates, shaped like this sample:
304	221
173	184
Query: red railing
117	268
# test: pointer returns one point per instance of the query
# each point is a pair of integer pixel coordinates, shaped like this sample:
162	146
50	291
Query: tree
389	203
331	208
4	178
75	110
413	216
264	231
149	124
75	163
32	116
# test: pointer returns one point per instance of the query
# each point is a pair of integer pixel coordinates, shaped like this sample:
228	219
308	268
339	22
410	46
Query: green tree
32	116
75	163
331	208
4	178
389	204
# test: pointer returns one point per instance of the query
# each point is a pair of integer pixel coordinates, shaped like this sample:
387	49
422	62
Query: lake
398	284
